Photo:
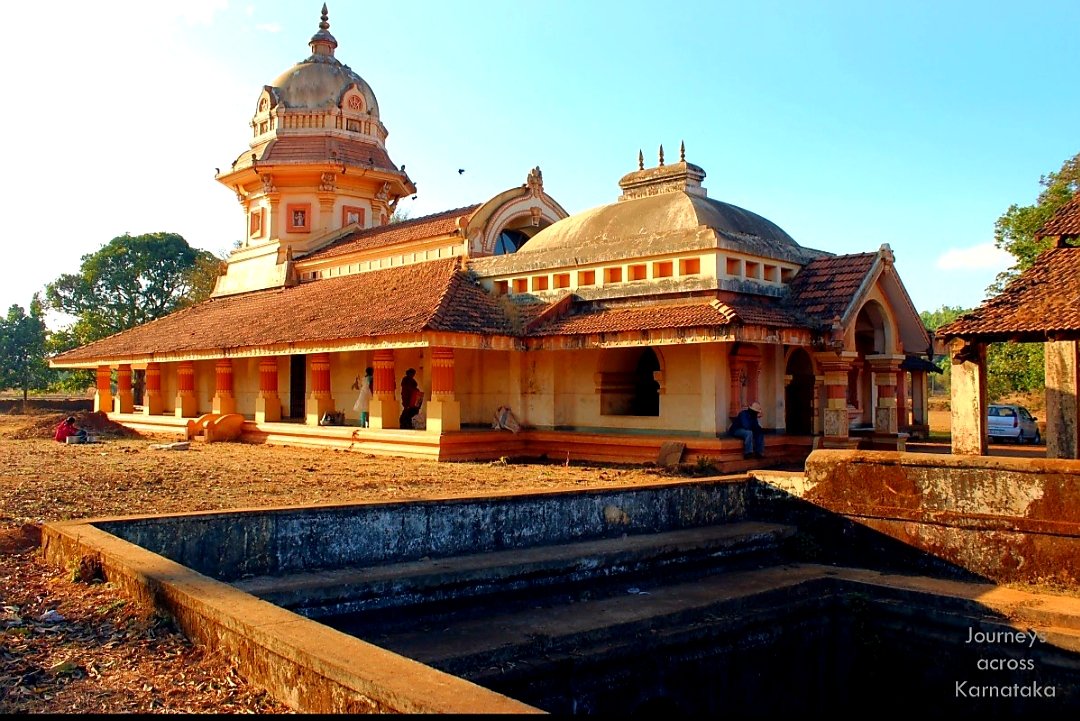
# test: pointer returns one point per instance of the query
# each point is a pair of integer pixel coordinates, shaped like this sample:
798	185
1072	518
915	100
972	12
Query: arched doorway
628	385
871	338
799	394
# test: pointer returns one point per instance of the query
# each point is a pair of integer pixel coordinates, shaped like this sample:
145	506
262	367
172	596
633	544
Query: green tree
1014	367
932	320
129	281
1015	230
23	363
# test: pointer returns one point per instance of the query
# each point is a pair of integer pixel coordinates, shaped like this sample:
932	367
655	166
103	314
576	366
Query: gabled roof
1064	222
826	287
432	296
428	226
1043	302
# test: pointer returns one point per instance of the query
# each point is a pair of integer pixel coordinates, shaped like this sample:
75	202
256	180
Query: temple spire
640	160
661	154
322	42
682	151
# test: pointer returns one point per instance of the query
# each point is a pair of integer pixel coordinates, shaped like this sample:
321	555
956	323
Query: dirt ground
73	647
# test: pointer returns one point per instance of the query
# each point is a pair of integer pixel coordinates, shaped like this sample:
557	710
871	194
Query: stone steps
526	572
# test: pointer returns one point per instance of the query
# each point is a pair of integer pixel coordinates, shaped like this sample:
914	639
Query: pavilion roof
1042	303
428	226
1064	222
432	296
826	287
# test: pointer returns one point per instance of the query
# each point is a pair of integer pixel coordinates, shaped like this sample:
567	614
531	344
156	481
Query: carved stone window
352	214
255	223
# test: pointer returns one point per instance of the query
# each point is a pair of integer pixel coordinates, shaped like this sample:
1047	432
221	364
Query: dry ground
70	647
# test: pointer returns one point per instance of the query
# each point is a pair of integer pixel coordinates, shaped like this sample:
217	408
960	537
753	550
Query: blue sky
849	124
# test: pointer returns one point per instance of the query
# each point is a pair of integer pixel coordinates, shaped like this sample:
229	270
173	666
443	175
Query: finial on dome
322	42
682	151
661	154
640	160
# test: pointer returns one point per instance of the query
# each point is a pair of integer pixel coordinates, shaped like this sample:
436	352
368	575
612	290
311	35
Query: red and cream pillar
886	368
836	368
185	405
444	411
224	401
268	405
103	400
319	400
125	400
152	403
385	409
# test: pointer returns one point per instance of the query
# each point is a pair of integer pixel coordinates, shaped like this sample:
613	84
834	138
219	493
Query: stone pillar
153	404
885	368
1062	402
186	405
103	400
837	369
384	410
968	397
902	422
920	399
444	411
124	401
224	401
319	400
268	405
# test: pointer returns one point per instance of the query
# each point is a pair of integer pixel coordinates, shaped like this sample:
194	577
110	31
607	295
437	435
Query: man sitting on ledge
746	427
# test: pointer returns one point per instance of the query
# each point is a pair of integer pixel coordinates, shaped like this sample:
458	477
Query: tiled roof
436	295
1066	221
614	320
428	226
1045	299
825	287
302	149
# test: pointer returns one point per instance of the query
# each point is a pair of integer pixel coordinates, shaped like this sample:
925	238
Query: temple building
607	333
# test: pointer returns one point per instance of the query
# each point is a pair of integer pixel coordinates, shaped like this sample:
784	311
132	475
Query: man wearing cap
747	428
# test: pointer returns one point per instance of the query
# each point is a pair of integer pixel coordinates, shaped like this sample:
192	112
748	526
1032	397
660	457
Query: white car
1012	423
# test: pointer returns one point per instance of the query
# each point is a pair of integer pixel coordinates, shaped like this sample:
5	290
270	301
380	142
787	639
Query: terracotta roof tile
428	226
825	287
302	149
614	320
1066	221
1044	299
436	295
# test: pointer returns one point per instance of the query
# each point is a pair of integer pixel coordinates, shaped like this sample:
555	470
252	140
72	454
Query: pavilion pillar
186	406
920	401
224	401
444	411
152	401
968	397
885	368
103	400
319	400
836	423
124	402
384	410
1062	365
268	405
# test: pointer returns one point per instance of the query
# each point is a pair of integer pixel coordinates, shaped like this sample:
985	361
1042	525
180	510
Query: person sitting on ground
747	428
67	428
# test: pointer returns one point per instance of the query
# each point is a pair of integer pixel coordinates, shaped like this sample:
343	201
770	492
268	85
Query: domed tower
316	163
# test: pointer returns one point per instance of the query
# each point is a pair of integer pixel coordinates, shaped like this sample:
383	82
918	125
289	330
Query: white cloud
978	258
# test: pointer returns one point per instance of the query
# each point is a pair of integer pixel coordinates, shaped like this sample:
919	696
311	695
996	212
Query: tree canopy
1015	230
23	348
129	281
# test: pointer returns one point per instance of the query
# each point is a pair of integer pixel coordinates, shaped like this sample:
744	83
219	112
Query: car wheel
1036	439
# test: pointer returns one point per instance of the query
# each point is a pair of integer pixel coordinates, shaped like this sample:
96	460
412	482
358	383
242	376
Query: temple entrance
297	385
628	385
799	394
